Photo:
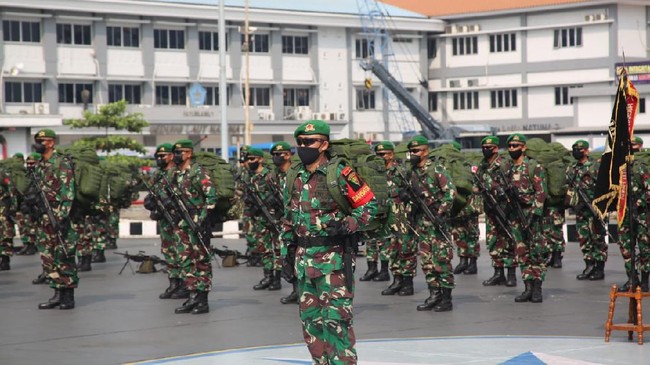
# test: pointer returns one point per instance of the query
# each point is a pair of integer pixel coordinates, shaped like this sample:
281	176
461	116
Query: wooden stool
636	298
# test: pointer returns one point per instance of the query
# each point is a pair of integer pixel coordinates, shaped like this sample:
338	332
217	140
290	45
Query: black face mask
488	152
577	154
515	154
414	159
253	166
38	147
278	160
636	150
178	158
308	155
160	162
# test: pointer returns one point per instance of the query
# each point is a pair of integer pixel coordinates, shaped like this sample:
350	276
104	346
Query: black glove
149	202
404	196
336	228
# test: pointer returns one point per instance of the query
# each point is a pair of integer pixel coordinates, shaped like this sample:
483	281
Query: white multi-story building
545	67
60	57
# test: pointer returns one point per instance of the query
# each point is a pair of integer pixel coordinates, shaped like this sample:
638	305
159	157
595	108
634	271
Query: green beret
45	133
164	148
102	158
418	141
281	147
456	145
385	146
34	156
581	143
638	140
313	127
19	155
490	140
516	137
183	143
252	151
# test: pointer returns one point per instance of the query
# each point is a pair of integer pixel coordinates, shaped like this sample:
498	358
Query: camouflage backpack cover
118	185
15	168
555	159
459	166
222	177
88	175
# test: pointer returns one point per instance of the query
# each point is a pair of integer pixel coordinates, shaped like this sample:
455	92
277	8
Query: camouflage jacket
581	176
393	181
640	189
531	192
435	184
265	185
57	176
311	208
196	189
7	195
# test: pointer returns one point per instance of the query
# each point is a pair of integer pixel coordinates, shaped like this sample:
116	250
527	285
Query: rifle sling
308	242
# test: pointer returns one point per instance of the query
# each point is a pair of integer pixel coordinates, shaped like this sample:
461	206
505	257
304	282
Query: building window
72	93
364	48
295	97
23	92
168	39
295	44
503	42
569	37
433	101
503	98
77	34
464	46
209	41
257	43
466	100
132	94
402	40
21	31
365	99
642	105
212	95
260	96
562	96
123	37
432	48
171	95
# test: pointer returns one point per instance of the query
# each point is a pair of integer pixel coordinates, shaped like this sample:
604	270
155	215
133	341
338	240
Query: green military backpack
88	175
117	186
222	177
460	168
555	159
15	168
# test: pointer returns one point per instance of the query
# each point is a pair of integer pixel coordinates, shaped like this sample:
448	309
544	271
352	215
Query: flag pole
634	278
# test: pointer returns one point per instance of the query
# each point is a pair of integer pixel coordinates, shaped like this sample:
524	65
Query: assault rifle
493	205
48	210
513	199
141	258
582	196
422	205
159	205
255	194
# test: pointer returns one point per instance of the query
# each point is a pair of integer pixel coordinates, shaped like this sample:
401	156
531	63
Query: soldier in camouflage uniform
100	229
192	184
581	177
281	153
378	249
7	210
25	214
324	234
57	182
82	223
113	228
639	189
24	222
529	193
32	208
501	248
262	181
432	182
554	232
241	182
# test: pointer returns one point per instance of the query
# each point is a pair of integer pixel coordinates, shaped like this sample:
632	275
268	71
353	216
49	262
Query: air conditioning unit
589	18
324	116
270	116
289	112
452	29
601	16
472	82
340	116
302	116
475	28
454	83
464	29
41	108
315	115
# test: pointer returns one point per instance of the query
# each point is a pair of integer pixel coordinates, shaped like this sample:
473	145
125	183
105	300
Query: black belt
307	242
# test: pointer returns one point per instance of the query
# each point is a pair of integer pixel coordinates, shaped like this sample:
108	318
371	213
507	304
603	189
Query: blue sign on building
197	94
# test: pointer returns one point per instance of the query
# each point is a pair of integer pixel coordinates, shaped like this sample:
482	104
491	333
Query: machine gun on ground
147	262
229	257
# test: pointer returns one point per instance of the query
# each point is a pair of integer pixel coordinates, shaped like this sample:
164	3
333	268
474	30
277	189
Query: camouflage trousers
590	237
466	234
404	255
57	258
6	238
553	229
267	244
247	228
100	230
25	228
642	243
500	247
113	225
83	227
169	250
195	263
379	249
326	316
531	250
435	256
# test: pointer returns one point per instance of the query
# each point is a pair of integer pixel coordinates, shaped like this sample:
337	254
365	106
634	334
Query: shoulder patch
346	171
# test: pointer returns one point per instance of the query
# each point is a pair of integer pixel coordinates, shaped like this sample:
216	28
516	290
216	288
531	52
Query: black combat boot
201	303
27	250
528	292
98	256
511	279
371	272
84	263
111	244
462	265
444	305
55	301
264	283
471	267
67	298
497	279
435	296
189	304
4	263
174	284
182	292
599	271
276	280
383	273
40	279
628	284
590	266
407	287
395	287
293	297
556	261
644	281
537	297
